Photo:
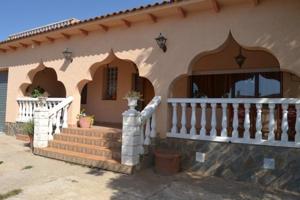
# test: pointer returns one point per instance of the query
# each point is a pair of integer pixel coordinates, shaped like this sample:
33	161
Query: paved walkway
42	178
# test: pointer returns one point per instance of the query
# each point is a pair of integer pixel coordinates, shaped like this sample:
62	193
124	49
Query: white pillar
183	119
193	119
271	135
224	120
247	121
213	131
284	123
258	125
235	121
40	139
203	120
131	138
174	118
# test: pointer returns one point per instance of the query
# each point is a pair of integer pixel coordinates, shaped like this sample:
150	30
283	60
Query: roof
73	22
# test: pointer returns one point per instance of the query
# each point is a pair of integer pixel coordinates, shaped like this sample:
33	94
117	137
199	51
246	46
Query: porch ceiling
147	14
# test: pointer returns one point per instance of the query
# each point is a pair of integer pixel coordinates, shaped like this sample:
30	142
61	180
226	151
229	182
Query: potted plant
132	98
37	92
28	128
84	120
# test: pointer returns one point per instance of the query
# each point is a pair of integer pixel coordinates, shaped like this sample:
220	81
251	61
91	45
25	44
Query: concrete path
43	178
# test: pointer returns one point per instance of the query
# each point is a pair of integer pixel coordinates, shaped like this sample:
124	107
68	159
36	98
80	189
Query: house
219	78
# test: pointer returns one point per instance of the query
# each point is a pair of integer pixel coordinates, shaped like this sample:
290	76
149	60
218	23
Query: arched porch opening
45	80
112	79
221	74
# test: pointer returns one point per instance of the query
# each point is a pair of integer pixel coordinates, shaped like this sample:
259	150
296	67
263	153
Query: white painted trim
236	100
276	143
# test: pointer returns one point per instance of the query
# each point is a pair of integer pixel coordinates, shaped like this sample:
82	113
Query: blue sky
20	15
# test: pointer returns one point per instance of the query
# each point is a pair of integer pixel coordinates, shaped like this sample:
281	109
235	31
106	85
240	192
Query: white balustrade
27	105
264	120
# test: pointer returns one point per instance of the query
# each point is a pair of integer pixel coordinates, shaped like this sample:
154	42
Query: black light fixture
161	42
68	54
240	59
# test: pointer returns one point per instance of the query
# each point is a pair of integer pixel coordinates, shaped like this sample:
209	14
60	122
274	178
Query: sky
21	15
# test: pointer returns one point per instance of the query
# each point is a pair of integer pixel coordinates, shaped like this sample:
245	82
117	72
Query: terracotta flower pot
85	122
167	162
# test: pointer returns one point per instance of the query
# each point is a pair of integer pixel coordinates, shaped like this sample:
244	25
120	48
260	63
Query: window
111	77
242	85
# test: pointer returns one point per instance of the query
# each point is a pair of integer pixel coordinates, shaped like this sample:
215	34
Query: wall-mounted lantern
161	42
68	55
240	59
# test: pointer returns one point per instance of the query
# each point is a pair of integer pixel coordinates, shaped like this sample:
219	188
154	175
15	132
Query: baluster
297	126
203	120
30	110
141	146
213	131
26	111
50	128
174	118
284	123
271	122
20	111
23	111
183	119
258	125
57	122
147	133
247	121
235	122
65	117
224	120
193	119
153	126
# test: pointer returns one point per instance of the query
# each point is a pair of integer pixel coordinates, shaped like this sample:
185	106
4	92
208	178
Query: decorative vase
132	103
85	122
42	102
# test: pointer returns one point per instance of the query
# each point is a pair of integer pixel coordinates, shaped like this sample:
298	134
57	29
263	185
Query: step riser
90	141
107	154
109	134
83	161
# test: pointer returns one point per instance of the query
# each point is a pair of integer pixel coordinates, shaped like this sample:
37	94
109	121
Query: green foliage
10	194
28	128
37	92
1	162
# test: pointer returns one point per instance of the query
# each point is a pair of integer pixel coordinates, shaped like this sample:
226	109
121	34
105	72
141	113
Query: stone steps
114	154
96	147
83	159
97	141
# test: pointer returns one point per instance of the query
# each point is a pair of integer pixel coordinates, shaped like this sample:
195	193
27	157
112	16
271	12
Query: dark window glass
111	83
242	85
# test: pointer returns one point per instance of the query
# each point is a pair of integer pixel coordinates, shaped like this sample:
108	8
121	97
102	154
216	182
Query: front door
3	95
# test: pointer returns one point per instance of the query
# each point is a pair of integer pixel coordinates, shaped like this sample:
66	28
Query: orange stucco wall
272	25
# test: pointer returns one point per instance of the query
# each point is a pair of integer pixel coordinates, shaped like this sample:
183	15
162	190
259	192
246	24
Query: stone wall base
13	128
240	162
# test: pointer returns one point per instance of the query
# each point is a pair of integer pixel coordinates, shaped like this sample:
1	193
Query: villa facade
230	73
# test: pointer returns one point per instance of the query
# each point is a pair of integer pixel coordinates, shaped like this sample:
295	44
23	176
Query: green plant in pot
28	128
84	120
37	92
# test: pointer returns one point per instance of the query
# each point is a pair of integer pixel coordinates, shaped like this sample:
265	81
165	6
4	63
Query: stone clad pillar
40	139
131	138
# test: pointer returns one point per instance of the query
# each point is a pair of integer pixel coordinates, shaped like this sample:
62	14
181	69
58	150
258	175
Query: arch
45	78
95	94
231	47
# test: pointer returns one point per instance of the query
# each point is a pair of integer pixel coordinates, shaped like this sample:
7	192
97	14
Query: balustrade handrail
36	99
60	106
148	111
236	100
